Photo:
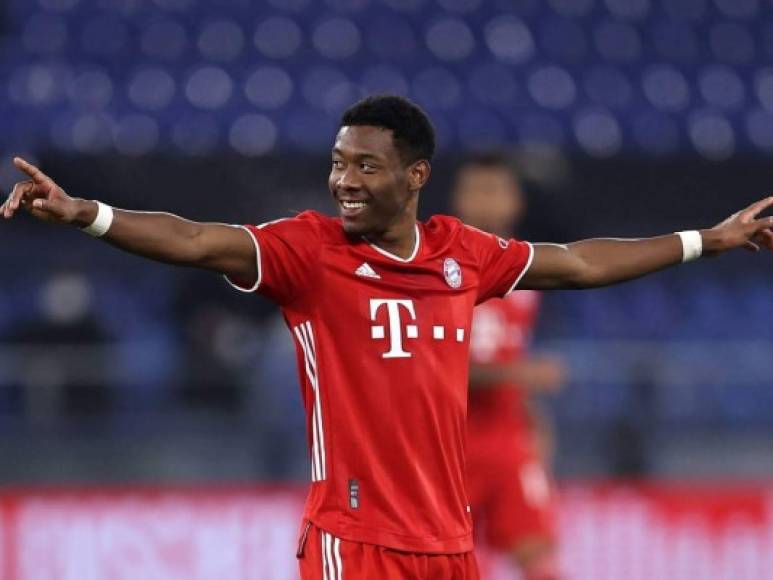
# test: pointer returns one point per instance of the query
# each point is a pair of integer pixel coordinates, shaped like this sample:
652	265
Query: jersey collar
390	255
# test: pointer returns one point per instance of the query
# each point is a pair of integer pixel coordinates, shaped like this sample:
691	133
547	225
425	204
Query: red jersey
383	349
501	333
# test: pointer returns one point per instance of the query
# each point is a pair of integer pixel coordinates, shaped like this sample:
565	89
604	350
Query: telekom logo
393	308
402	318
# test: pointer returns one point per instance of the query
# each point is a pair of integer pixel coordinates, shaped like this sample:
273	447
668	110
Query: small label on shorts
354	494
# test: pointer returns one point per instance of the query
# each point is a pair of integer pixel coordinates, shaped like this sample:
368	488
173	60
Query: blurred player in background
509	445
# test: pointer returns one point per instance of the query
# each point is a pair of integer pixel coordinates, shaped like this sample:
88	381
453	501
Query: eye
367	167
337	164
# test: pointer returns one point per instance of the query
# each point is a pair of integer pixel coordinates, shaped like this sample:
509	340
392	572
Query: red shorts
322	556
512	495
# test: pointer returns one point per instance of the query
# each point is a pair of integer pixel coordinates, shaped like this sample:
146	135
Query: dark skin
392	194
367	168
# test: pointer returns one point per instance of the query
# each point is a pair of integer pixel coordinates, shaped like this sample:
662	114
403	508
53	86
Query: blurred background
123	381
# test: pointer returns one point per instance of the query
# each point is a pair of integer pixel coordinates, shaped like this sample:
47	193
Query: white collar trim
398	258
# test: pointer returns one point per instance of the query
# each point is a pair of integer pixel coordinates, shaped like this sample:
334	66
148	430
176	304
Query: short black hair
413	133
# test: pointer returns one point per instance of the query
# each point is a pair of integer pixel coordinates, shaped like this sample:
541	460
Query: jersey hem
399	542
234	283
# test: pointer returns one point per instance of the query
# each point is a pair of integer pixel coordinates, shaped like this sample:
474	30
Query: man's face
488	198
369	181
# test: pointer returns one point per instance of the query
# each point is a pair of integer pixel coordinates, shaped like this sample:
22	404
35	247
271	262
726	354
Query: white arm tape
102	222
692	245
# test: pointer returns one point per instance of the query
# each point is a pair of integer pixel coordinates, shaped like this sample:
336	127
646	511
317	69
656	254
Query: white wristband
692	245
102	222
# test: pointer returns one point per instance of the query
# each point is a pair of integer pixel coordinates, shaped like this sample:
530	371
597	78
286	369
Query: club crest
452	273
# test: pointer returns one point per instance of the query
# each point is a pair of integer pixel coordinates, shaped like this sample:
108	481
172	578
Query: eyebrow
359	154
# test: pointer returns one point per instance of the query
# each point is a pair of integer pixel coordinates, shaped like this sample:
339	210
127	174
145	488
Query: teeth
353	204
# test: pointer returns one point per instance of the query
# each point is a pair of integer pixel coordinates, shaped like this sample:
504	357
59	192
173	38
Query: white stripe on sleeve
525	269
257	261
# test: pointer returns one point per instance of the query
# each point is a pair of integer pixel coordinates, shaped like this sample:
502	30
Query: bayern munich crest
452	272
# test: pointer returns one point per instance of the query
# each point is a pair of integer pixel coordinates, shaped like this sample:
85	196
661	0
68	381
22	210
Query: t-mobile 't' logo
395	325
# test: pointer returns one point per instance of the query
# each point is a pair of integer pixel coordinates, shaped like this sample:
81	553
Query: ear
418	174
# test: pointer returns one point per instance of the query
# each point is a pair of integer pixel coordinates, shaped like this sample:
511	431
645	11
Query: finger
50	207
19	191
764	239
12	203
763	223
8	205
758	207
36	174
751	246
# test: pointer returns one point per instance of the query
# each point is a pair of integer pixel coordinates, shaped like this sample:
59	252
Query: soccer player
508	442
381	308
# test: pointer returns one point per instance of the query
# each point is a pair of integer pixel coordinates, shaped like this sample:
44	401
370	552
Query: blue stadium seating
597	76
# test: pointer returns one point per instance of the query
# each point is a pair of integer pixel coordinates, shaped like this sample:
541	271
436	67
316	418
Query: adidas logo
366	271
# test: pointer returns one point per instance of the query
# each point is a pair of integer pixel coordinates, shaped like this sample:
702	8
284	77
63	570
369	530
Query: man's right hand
45	200
159	236
540	373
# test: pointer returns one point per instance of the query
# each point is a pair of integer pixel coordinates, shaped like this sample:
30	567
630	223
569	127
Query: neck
399	240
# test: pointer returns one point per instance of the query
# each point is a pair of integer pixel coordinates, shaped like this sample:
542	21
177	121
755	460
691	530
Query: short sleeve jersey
382	349
501	333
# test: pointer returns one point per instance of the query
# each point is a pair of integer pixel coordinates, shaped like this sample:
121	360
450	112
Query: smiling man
380	306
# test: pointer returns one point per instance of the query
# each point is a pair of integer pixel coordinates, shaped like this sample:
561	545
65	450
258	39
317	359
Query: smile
352	208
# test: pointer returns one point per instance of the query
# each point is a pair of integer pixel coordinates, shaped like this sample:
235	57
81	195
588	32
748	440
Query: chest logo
366	271
402	326
452	273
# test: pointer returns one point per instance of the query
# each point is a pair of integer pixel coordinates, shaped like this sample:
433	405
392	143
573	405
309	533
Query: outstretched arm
601	262
159	236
